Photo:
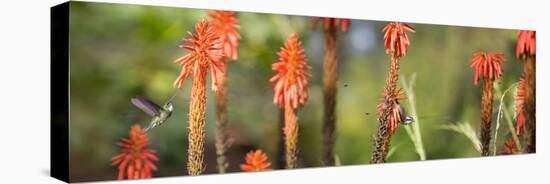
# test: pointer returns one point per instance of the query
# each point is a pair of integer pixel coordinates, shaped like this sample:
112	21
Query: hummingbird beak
148	128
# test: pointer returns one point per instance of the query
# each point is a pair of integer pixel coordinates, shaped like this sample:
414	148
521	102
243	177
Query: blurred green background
120	51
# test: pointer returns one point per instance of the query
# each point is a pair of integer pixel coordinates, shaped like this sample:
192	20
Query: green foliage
505	110
414	130
466	129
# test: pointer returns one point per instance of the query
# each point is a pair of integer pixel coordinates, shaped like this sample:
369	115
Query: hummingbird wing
405	118
146	106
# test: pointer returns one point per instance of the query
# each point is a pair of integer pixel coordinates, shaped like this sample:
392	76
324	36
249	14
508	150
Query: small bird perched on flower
405	118
397	113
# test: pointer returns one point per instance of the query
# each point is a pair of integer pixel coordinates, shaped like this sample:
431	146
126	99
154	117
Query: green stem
414	130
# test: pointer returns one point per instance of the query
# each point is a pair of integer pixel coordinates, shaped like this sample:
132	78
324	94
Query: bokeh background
120	51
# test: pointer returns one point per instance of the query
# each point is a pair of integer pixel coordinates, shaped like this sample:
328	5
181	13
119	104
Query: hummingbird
159	114
405	118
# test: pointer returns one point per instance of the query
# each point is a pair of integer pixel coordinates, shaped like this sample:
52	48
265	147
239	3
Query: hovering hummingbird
159	114
405	118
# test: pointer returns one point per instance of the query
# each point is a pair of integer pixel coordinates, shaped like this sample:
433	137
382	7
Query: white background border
25	90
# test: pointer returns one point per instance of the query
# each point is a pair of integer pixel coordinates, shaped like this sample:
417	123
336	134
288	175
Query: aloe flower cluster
135	160
204	54
487	66
256	161
290	87
510	148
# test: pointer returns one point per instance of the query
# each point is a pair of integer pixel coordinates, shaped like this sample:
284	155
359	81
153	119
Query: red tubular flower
227	24
135	160
327	22
526	120
396	40
394	115
511	148
291	79
205	53
526	43
487	65
256	161
520	102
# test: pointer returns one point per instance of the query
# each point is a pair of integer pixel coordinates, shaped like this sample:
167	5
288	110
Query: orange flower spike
256	161
327	22
135	160
526	44
526	97
291	79
226	24
204	47
396	40
487	65
520	102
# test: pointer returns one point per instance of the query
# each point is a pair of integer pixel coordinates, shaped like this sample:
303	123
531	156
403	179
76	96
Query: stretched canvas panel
145	92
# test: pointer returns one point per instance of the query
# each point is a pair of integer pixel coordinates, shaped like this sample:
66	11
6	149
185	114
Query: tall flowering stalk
226	24
290	87
281	163
526	121
488	66
204	47
396	42
330	76
135	160
256	161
